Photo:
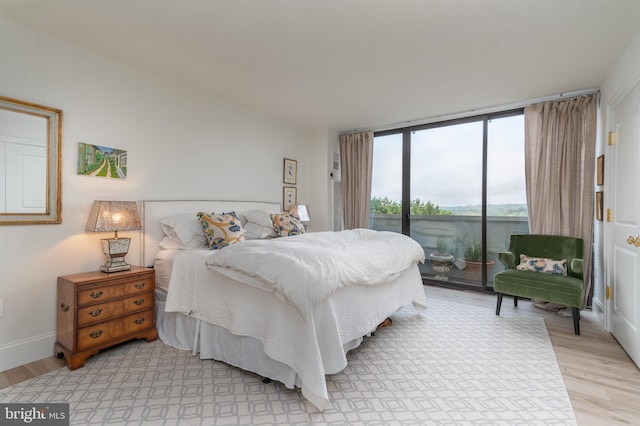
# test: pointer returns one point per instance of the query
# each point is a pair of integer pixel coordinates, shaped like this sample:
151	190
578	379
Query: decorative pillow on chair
286	224
221	229
542	264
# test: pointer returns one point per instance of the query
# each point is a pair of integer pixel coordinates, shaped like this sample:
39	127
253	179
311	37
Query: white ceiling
345	64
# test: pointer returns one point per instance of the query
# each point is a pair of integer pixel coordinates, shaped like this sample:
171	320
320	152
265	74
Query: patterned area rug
452	364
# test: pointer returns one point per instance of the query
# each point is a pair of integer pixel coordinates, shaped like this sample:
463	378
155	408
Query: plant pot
472	271
441	265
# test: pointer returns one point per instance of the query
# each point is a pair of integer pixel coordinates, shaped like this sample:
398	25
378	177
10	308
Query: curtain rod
473	112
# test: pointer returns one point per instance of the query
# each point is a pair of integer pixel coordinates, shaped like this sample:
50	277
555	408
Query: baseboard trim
23	352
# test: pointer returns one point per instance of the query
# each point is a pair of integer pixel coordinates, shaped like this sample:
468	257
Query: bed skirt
338	326
213	342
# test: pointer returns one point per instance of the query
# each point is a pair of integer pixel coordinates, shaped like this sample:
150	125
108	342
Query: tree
428	208
386	206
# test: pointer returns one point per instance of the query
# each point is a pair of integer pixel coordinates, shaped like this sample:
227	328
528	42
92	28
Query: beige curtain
560	142
356	156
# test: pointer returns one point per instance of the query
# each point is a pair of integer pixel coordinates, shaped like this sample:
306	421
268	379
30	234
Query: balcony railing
457	231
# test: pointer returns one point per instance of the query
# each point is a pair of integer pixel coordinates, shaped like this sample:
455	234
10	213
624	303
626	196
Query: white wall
180	143
624	75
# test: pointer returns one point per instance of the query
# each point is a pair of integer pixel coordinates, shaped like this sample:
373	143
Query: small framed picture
102	161
600	170
289	197
290	173
599	205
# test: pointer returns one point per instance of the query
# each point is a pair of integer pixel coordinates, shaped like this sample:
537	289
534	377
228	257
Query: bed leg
266	380
386	323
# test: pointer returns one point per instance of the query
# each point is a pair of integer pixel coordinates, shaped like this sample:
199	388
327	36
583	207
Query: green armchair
564	290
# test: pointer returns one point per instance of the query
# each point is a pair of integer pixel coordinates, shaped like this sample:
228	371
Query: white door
624	259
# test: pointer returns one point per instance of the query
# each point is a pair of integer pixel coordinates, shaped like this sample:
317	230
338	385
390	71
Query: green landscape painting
95	160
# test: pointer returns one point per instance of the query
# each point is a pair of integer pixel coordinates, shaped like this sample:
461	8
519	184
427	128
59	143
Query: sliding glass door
506	193
446	187
457	188
386	187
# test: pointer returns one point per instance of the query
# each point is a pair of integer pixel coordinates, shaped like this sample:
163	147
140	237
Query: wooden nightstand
97	310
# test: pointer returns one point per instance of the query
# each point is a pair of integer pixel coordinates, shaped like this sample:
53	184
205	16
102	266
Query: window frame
406	167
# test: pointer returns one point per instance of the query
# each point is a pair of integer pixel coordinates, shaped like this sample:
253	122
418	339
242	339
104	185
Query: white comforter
306	269
312	348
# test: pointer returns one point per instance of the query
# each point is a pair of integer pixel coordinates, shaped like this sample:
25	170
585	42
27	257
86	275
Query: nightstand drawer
108	310
97	293
102	333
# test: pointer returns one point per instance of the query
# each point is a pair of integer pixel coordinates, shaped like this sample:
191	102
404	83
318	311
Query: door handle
633	241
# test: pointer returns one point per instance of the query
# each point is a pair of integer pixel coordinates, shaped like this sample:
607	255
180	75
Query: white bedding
312	348
253	329
162	266
306	269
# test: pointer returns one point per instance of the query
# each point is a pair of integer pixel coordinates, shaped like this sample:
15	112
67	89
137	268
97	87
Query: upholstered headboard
153	211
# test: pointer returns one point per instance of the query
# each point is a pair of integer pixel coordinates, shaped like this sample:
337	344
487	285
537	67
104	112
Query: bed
227	315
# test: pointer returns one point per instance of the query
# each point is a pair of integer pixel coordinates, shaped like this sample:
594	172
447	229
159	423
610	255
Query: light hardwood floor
602	381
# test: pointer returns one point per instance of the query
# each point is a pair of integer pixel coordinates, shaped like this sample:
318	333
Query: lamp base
115	249
115	266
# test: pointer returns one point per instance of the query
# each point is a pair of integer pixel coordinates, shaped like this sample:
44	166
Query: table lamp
301	211
107	216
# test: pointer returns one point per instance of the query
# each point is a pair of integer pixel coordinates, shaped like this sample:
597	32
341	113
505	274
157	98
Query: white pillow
183	229
168	243
259	217
258	232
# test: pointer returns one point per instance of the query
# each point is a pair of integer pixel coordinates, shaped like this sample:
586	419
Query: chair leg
498	303
576	320
515	301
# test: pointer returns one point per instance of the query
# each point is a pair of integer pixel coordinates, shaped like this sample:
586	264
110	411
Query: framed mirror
30	163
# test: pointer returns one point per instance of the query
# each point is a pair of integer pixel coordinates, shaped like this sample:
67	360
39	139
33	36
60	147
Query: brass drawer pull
139	321
97	294
96	312
65	308
138	302
139	285
95	334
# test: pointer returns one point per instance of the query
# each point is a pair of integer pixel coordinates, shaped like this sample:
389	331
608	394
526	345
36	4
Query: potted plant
473	250
471	262
442	259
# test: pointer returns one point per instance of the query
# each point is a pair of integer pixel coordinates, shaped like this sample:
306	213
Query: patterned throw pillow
542	264
221	229
286	224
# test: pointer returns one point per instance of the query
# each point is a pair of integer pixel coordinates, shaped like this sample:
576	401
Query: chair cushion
559	289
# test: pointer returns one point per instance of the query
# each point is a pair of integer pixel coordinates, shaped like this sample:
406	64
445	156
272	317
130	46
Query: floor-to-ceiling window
506	193
386	186
456	187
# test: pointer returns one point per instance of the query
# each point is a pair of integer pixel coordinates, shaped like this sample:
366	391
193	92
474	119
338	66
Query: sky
446	164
